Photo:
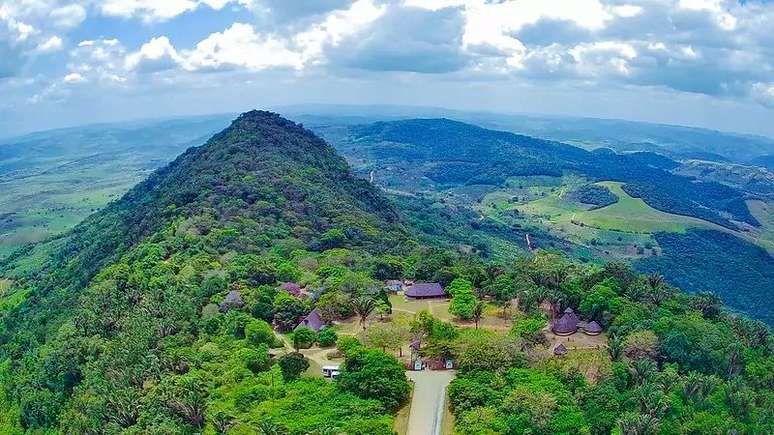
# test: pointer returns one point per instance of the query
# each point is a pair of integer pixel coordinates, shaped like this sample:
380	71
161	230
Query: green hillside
127	288
175	310
529	186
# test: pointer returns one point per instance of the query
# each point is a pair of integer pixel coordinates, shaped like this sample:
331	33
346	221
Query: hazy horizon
385	111
697	63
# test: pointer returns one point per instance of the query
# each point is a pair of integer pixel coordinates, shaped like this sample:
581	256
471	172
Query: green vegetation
154	314
149	318
673	364
626	214
372	374
595	194
463	302
742	273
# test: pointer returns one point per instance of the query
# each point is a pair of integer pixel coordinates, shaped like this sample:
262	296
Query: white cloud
159	10
101	61
156	55
720	48
241	46
764	93
74	78
68	16
493	27
717	8
336	26
50	45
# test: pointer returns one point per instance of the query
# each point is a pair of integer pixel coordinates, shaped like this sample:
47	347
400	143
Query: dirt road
429	403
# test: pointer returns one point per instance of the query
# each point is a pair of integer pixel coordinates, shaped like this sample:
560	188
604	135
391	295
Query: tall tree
363	307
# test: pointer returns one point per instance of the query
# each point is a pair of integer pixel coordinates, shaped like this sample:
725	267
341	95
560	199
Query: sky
706	63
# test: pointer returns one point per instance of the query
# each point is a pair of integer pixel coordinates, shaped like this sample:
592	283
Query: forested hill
466	154
161	313
134	275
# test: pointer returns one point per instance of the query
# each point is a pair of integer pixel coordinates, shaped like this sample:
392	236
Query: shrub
258	332
327	337
304	337
372	374
347	343
292	365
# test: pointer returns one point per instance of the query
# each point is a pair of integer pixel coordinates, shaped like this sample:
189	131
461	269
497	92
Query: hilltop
150	261
187	306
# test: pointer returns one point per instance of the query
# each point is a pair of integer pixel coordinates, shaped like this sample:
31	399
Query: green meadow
625	228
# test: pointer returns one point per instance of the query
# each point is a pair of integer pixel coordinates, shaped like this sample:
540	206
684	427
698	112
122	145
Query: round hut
560	350
592	328
567	324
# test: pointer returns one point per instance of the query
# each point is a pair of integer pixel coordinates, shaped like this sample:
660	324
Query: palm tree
651	400
636	424
642	369
615	346
697	387
655	280
363	307
708	303
659	290
268	427
478	311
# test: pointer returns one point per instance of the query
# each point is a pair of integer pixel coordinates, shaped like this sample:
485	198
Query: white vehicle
330	371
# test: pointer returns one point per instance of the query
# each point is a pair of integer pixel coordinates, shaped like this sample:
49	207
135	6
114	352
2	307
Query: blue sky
706	63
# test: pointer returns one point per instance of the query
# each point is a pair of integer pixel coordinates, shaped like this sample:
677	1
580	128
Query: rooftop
426	290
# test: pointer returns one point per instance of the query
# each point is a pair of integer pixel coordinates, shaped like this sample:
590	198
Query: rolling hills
490	188
174	310
528	184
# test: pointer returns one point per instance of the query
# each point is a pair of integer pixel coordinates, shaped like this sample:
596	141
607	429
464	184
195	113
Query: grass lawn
633	214
627	215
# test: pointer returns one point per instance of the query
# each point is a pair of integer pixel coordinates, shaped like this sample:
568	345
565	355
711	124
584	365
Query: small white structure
330	371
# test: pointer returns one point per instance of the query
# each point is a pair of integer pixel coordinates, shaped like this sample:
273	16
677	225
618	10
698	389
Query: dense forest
166	312
743	280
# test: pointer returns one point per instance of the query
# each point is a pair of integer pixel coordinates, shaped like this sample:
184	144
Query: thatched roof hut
560	350
565	325
313	320
232	301
292	288
592	328
426	291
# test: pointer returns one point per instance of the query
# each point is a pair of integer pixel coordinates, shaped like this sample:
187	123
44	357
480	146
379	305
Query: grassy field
627	215
634	215
764	212
45	205
623	229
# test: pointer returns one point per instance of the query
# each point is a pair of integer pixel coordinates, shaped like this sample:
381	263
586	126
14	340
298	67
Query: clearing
629	214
